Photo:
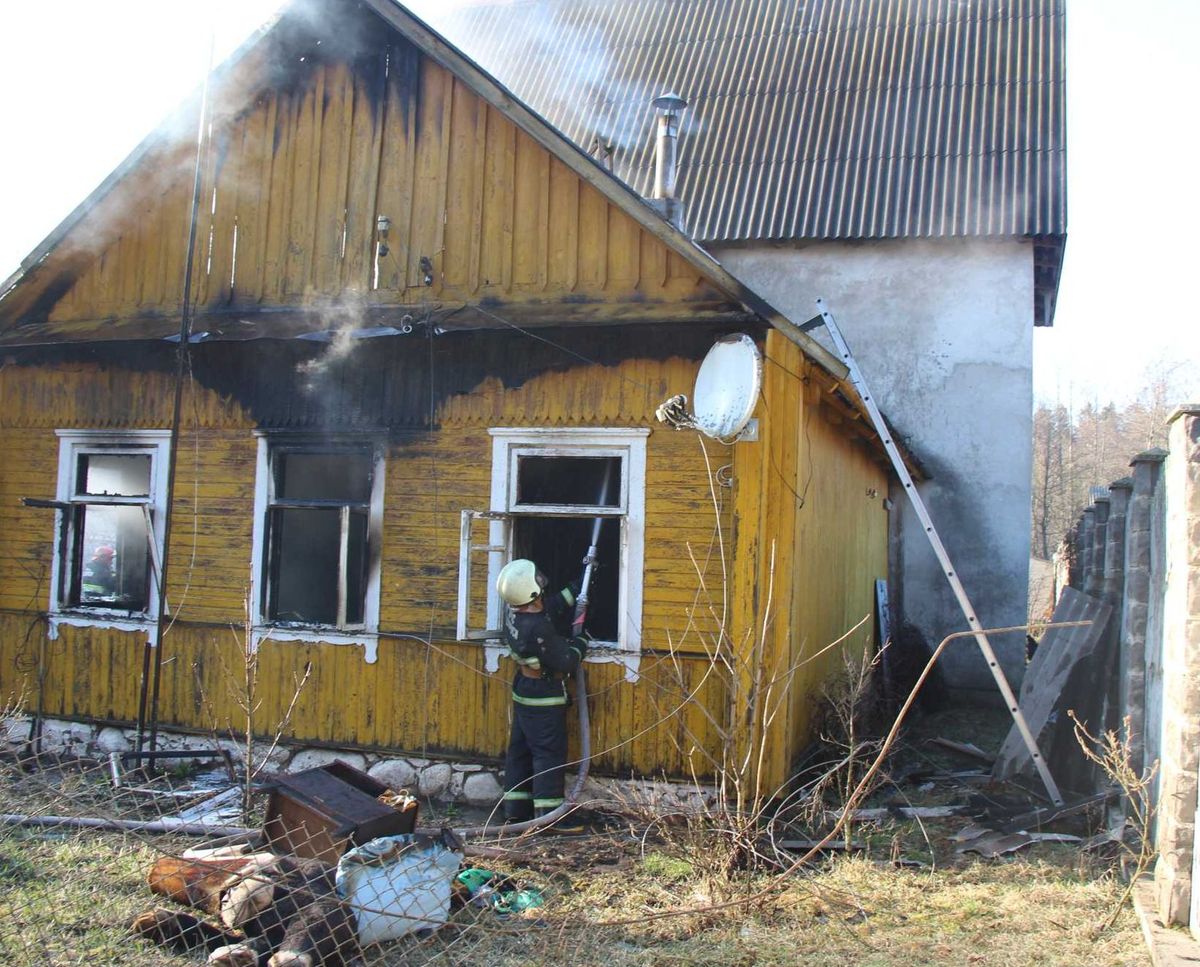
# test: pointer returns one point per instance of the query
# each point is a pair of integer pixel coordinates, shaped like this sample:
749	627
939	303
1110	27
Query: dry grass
67	900
614	899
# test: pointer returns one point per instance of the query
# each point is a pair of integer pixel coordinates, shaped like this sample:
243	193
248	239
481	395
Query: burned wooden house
413	331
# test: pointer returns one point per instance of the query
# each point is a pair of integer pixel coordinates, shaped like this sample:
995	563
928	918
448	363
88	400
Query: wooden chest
325	811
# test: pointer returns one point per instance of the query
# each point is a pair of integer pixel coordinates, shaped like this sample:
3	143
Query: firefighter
535	766
99	579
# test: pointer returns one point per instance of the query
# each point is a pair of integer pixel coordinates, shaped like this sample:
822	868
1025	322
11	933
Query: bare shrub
1111	753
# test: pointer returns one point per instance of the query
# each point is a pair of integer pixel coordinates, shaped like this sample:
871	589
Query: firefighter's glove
579	620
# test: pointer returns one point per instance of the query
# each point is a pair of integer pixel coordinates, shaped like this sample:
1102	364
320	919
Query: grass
614	899
66	898
67	901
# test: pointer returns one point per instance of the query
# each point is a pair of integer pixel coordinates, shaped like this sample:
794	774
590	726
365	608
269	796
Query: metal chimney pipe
668	106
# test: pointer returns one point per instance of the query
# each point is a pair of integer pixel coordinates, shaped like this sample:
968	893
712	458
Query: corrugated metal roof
807	118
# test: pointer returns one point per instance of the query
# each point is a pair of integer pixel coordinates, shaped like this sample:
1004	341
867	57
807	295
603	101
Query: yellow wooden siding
293	183
415	697
841	549
29	469
810	544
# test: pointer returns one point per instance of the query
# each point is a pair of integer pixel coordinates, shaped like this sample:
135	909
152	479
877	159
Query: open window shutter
483	542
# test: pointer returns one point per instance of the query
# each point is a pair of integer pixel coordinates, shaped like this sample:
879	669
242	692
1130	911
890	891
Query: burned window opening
112	531
318	535
563	481
549	488
558	546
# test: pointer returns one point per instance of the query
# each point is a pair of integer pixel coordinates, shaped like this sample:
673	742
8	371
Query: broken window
554	492
113	486
321	515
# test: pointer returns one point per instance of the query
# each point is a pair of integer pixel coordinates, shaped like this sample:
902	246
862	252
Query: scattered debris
495	891
1040	817
132	826
905	812
833	846
218	809
969	832
990	843
968	749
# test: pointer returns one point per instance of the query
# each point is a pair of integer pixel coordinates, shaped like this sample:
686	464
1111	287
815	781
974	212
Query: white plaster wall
942	329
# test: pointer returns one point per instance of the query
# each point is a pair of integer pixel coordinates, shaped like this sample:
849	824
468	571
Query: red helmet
104	553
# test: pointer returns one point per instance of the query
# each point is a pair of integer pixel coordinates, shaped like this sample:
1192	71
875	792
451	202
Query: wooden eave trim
842	398
1048	254
230	324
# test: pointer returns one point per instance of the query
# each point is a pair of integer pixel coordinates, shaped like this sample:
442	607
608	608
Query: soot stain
387	383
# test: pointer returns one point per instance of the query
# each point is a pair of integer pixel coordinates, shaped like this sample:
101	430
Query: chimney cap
669	103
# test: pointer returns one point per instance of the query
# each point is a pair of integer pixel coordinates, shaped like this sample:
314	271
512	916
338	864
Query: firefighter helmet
520	582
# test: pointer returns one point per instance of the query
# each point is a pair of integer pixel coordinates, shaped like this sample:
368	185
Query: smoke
562	59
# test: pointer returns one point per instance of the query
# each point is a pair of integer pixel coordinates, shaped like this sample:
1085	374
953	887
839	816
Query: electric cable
550	342
800	496
437	526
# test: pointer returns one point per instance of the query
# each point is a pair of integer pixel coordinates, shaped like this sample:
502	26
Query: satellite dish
727	386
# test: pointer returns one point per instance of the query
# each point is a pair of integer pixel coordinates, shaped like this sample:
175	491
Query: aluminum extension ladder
860	384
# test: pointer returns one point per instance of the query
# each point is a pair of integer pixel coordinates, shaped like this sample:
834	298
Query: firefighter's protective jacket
534	642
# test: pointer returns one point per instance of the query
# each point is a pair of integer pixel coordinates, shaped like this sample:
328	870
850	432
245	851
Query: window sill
631	660
102	618
367	640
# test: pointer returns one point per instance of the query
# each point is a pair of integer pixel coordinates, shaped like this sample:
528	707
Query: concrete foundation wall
942	329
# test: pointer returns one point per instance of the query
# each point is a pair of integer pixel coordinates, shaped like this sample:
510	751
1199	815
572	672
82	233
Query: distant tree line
1075	450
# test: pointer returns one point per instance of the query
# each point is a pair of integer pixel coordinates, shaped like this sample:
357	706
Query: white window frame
365	633
626	443
72	444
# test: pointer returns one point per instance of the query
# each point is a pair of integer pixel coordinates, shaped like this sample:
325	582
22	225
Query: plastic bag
397	885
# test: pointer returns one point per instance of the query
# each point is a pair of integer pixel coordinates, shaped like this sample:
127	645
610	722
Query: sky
83	81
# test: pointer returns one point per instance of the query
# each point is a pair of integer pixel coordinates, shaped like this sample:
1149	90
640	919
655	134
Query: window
113	486
553	492
317	534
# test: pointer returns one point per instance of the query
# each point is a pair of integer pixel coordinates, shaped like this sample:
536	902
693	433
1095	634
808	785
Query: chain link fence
176	860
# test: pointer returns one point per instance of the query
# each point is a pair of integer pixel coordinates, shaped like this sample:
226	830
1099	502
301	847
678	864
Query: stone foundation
458	782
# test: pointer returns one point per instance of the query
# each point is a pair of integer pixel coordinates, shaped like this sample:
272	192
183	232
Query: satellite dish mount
725	394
